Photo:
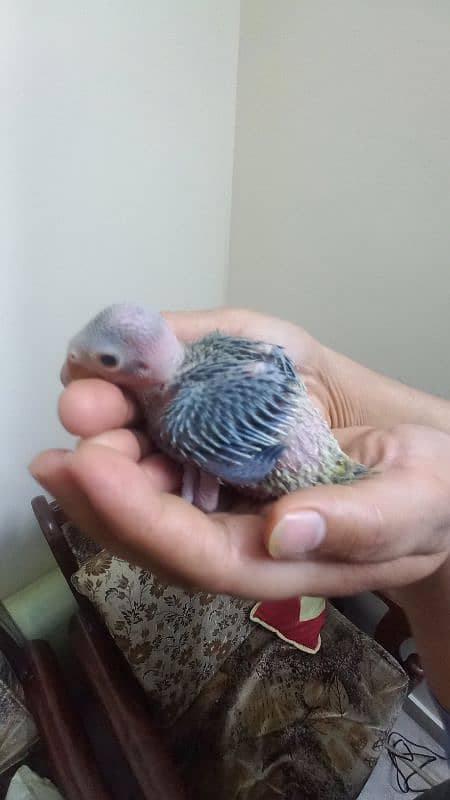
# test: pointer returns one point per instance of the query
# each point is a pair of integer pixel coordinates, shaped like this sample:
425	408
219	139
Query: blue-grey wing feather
228	419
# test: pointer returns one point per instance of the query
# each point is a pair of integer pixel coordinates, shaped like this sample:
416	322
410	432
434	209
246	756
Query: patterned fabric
248	716
17	729
277	723
174	640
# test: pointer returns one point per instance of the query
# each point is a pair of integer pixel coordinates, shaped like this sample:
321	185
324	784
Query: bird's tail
347	471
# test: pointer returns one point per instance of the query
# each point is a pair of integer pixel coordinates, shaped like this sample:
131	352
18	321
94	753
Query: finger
114	503
372	519
153	526
52	472
353	441
131	442
92	406
224	552
191	325
375	519
164	473
224	555
377	448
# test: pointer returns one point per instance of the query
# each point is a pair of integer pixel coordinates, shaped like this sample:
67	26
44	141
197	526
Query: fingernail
297	533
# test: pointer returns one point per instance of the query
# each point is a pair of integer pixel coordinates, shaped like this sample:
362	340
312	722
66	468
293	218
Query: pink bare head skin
129	345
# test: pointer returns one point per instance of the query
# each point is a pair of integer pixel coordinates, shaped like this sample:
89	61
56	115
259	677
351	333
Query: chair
64	753
129	713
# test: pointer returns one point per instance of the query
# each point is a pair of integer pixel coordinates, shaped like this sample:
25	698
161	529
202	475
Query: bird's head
129	345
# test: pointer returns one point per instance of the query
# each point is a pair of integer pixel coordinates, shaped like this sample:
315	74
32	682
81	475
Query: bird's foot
200	489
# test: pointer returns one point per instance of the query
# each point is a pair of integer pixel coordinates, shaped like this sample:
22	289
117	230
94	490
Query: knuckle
374	538
366	541
390	446
236	320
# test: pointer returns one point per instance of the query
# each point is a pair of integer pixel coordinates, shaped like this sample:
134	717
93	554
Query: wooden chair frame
65	745
122	699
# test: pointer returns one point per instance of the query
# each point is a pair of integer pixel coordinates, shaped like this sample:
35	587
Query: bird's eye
108	360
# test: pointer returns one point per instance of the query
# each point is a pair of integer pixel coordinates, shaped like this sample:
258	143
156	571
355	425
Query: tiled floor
382	784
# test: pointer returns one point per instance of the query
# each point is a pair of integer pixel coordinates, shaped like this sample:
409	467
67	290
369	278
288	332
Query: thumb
376	519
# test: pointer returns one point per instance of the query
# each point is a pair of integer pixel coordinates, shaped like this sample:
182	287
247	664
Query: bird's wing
232	421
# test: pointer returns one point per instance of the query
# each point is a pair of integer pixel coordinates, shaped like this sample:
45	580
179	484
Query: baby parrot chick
233	411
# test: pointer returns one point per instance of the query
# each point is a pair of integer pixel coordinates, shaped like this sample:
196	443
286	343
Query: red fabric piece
283	618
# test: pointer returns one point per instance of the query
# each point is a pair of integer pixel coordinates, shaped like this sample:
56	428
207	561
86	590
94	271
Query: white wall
341	194
116	129
116	148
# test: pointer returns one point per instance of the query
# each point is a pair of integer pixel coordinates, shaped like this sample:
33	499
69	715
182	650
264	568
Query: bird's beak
73	371
64	375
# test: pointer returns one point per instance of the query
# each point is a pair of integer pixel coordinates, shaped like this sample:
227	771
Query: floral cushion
247	716
174	640
17	729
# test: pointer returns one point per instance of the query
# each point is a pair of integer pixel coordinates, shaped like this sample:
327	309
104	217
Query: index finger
191	325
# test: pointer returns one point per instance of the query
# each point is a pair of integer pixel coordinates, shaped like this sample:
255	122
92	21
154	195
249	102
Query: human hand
389	530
